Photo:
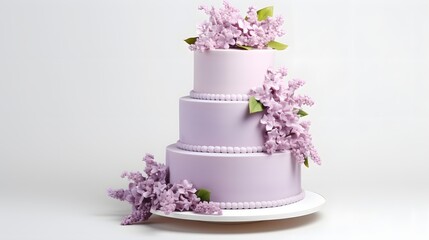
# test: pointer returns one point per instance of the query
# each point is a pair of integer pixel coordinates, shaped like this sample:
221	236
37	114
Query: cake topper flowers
226	28
285	129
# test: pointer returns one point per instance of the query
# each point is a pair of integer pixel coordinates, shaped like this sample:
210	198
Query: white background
87	87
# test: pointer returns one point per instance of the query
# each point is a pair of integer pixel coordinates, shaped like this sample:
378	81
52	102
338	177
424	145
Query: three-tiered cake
242	137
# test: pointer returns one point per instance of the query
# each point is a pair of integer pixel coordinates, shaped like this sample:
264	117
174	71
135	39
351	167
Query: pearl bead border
219	97
219	149
261	204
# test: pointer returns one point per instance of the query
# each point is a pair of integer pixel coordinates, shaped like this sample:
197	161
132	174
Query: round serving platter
311	203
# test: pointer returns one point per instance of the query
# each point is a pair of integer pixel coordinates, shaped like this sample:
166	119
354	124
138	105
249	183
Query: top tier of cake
230	71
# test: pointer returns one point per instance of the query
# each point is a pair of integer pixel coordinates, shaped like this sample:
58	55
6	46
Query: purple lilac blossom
226	28
284	129
208	208
154	192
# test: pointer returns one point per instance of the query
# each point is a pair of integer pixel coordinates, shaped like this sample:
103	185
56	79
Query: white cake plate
311	203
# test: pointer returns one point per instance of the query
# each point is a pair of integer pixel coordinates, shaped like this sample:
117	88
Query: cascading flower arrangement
226	28
285	129
154	192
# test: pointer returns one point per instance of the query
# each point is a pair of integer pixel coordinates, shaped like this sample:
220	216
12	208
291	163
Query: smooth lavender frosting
248	177
219	123
230	71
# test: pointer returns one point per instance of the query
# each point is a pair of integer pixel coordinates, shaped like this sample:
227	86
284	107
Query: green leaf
255	105
191	40
302	113
277	45
264	13
244	47
306	162
203	194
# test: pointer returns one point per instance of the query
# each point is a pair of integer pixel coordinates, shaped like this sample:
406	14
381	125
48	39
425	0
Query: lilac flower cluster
285	130
226	28
154	192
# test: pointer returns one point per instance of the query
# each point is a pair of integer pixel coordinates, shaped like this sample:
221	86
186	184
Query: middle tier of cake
219	127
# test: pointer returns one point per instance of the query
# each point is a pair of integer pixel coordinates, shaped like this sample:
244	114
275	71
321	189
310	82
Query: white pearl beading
219	149
219	97
261	204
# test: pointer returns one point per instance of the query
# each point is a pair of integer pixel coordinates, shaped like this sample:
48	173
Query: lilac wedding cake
243	136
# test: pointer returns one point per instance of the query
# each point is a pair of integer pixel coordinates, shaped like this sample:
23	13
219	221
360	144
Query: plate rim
317	203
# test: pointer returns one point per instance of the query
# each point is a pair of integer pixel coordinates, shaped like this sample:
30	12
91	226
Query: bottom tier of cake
239	181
